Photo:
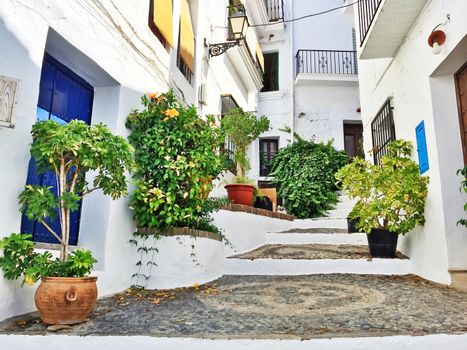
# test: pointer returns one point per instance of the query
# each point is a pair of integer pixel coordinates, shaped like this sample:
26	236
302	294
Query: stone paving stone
309	252
303	307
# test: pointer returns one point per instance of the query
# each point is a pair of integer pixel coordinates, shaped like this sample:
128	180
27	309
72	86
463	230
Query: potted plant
242	128
66	294
391	197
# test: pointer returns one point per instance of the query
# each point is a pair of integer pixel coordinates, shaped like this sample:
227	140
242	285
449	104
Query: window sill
271	95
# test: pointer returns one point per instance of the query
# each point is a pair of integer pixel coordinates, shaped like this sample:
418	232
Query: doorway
63	96
353	139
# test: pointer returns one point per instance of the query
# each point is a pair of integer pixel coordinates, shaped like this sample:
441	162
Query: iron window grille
228	103
383	132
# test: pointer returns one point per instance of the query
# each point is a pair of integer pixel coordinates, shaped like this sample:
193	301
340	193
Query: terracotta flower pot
65	300
240	193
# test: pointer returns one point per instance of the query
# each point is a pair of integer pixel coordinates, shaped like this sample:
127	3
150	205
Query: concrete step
298	259
293	267
324	222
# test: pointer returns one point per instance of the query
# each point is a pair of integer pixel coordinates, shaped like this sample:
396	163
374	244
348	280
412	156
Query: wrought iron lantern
238	27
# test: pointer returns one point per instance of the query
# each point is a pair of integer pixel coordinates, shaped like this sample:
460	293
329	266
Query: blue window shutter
422	148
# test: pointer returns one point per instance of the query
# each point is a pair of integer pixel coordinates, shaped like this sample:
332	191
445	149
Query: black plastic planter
382	243
351	225
263	202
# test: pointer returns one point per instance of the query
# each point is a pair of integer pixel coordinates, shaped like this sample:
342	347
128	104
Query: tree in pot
391	197
242	128
65	295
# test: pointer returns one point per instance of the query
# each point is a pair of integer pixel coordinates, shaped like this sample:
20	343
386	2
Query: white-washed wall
421	87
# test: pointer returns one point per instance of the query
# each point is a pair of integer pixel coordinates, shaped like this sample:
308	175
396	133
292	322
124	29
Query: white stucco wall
421	87
320	106
109	44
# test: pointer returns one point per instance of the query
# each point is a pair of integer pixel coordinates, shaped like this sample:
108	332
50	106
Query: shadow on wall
16	62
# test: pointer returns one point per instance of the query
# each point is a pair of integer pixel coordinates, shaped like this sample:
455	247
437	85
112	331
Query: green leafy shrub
177	159
242	128
19	259
390	197
69	151
304	175
463	189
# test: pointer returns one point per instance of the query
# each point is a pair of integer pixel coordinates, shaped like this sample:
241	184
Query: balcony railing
326	62
275	9
366	13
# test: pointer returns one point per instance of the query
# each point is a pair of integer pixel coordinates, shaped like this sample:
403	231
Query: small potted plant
391	197
66	294
242	128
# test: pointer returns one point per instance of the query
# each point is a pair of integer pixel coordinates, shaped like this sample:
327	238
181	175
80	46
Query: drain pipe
292	72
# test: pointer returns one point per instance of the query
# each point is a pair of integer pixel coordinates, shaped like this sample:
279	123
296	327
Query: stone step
192	342
324	222
297	259
304	237
326	312
293	267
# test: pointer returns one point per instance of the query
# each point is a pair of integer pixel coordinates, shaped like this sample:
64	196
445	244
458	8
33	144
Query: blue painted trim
422	149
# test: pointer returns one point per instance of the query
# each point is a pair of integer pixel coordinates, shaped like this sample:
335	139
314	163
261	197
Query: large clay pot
382	243
65	300
240	193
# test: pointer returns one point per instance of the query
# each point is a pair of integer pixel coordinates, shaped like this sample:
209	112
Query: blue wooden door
63	96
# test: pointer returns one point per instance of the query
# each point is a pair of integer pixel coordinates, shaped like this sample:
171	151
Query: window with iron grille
267	150
228	103
383	132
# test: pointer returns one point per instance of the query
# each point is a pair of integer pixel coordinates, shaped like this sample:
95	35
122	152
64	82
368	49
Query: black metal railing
383	132
326	62
366	14
275	9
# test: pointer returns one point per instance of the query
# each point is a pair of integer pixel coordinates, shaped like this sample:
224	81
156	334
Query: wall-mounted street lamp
437	37
238	27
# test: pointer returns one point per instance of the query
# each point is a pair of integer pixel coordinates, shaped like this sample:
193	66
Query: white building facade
110	53
407	92
310	79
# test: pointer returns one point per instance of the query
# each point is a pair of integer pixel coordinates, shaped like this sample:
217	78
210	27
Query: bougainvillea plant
176	153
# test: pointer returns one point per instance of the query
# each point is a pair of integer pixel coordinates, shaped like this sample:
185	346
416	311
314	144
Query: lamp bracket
220	48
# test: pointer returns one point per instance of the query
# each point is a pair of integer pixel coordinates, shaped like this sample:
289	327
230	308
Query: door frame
462	127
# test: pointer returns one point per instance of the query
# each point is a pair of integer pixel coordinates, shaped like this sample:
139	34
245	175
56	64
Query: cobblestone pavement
304	307
309	251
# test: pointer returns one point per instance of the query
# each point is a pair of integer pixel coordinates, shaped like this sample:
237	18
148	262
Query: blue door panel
63	96
46	86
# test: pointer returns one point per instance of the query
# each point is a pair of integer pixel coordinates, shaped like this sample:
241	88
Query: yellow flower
160	98
171	113
196	285
29	280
